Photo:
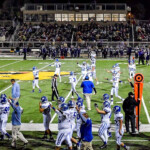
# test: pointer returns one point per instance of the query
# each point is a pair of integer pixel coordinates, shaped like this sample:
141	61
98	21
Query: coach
129	105
54	88
86	131
88	87
16	124
15	91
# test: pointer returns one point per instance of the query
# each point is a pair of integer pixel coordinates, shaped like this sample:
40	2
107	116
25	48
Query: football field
22	72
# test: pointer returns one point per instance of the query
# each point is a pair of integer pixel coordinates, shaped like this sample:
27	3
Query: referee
54	88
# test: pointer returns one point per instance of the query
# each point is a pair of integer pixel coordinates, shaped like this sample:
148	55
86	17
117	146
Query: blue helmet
71	104
80	99
3	95
71	73
106	104
79	104
44	99
34	68
105	97
3	100
116	109
61	99
64	107
113	66
116	65
57	60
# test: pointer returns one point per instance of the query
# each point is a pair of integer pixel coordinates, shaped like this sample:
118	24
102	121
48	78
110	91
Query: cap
130	93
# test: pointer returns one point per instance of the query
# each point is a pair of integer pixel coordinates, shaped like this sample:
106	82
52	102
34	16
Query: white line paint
10	64
20	81
146	111
96	140
65	99
129	140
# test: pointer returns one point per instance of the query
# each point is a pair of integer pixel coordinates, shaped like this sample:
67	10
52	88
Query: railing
38	44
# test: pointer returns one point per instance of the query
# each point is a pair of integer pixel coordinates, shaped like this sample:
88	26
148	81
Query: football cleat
103	146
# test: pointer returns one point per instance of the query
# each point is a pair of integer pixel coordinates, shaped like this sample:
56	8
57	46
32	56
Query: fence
119	44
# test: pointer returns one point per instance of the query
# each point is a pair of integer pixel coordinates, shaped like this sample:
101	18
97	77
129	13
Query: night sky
140	8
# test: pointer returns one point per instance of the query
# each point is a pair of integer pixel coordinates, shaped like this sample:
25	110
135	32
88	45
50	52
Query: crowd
6	32
42	32
81	33
142	31
95	32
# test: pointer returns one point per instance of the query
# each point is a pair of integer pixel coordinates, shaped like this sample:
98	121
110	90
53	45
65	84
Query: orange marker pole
138	91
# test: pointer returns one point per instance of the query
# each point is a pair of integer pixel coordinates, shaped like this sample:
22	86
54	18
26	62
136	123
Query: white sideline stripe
129	140
65	99
146	111
10	64
20	81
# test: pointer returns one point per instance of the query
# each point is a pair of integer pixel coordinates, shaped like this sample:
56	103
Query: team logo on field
27	75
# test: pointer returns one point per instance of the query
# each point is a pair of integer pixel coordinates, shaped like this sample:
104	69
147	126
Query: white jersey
73	79
117	69
36	74
117	117
83	67
73	115
106	117
57	65
63	119
4	109
132	67
115	81
46	107
79	120
93	61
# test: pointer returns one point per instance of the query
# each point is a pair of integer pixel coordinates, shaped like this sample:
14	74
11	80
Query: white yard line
65	99
129	140
96	140
20	81
146	111
10	64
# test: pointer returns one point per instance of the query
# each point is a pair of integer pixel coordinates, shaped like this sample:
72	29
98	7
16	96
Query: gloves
95	105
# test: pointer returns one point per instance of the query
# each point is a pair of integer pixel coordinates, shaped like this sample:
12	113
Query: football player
36	79
83	69
132	68
93	66
115	87
64	126
57	65
45	108
73	116
105	122
118	117
106	98
73	82
79	120
4	113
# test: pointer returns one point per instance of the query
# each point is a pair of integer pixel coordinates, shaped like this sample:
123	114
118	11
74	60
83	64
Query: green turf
142	142
29	101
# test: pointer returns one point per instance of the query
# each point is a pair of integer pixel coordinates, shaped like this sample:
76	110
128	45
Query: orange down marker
138	91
